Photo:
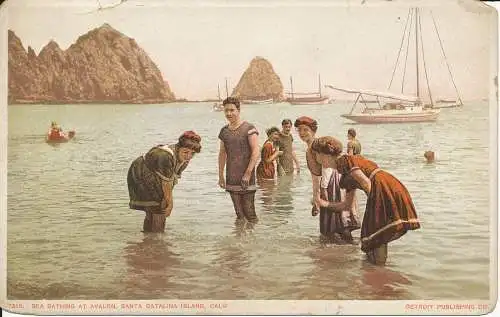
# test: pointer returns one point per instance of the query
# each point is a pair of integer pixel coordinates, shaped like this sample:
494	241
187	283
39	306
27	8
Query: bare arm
295	159
222	164
350	148
272	157
316	181
364	181
343	205
167	195
254	147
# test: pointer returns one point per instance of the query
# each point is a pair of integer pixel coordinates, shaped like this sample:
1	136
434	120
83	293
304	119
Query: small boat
217	106
257	102
320	100
443	103
315	98
60	137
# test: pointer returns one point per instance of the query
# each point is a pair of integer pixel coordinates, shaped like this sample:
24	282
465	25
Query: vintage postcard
169	157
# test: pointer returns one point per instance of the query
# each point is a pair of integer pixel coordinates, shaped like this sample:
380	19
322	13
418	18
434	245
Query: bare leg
154	222
378	255
248	200
237	203
158	223
147	226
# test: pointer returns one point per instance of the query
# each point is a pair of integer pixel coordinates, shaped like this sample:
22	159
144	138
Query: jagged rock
259	82
101	66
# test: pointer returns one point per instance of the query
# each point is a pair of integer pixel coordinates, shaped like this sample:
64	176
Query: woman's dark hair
232	100
310	122
327	145
351	132
190	140
271	130
286	121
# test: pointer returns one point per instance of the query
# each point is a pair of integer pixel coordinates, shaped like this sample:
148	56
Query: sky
199	44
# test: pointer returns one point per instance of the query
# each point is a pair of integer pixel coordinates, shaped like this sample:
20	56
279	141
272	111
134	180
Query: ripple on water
72	236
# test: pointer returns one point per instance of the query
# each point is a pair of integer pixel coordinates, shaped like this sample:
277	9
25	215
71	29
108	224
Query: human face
305	133
275	136
287	127
232	113
185	154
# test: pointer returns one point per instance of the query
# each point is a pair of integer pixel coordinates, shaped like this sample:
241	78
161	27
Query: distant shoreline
100	102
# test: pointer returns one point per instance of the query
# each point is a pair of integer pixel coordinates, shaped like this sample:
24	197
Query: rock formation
102	66
259	82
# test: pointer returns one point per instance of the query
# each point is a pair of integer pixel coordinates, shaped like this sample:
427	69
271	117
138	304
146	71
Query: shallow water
72	236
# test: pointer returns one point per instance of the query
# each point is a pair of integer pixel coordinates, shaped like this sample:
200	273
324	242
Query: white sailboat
398	108
217	106
257	102
315	98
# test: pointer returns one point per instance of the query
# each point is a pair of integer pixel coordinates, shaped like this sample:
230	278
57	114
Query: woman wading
151	179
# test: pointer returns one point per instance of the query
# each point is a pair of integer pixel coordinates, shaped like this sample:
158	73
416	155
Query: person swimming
430	156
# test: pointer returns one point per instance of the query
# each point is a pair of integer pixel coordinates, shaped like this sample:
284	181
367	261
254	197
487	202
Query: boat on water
217	106
444	103
399	108
59	136
314	98
257	102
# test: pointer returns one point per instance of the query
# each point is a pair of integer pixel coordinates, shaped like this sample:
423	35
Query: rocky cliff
102	66
259	82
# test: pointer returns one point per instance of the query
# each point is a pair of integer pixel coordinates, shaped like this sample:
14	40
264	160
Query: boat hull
444	106
309	101
60	139
257	102
428	116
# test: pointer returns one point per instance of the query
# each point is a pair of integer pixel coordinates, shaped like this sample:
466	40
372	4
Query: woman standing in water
269	154
238	154
389	212
330	223
151	179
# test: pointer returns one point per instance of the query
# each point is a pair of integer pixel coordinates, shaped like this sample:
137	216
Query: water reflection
150	264
230	266
383	283
267	194
284	197
333	272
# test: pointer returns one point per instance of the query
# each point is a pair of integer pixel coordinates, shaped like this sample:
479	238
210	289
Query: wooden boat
315	98
60	137
217	106
444	103
257	102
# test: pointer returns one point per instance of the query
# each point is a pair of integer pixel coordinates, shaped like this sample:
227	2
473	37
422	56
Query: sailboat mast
416	55
227	91
218	91
319	83
291	86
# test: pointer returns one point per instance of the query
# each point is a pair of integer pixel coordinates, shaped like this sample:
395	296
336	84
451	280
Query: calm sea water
72	236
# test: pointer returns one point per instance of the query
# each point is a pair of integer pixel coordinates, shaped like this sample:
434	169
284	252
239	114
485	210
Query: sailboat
257	101
316	98
399	108
217	106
